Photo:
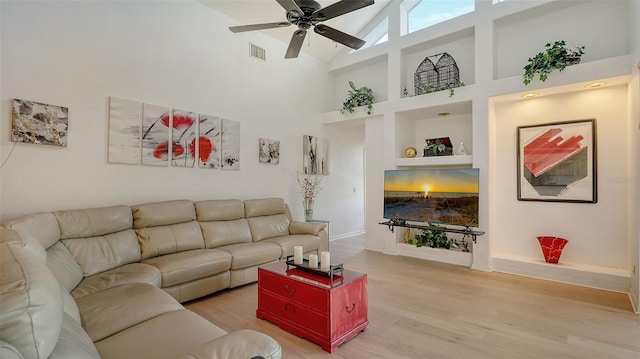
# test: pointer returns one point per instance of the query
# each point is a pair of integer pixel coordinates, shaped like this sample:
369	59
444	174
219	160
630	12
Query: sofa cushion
244	343
93	222
163	213
115	309
186	266
8	351
63	266
252	254
268	226
168	335
219	210
128	273
308	242
70	307
222	233
41	226
168	239
73	343
101	253
263	207
31	310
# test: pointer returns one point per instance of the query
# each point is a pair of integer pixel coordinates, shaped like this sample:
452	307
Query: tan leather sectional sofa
108	282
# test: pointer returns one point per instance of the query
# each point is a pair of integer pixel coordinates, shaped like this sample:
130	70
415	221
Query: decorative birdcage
430	77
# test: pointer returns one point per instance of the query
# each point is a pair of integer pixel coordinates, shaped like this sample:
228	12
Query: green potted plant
433	238
362	96
555	57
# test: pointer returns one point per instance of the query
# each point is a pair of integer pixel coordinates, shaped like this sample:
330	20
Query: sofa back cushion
63	266
163	213
40	226
167	227
161	240
99	238
222	222
93	222
263	207
267	218
219	210
31	311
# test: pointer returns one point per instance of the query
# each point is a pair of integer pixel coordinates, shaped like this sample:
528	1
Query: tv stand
467	231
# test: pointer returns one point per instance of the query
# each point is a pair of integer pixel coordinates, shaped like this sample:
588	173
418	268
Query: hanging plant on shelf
555	57
362	96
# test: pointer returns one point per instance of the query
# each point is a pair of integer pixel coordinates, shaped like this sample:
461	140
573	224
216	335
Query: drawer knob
353	306
290	291
289	305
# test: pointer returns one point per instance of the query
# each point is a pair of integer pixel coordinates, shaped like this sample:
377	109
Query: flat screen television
442	196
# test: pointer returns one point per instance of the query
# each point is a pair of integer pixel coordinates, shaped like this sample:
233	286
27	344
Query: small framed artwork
39	123
268	151
557	162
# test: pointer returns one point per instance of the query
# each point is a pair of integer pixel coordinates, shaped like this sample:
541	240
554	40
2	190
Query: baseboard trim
346	235
612	279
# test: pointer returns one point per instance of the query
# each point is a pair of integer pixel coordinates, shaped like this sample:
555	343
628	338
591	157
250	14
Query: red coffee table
327	311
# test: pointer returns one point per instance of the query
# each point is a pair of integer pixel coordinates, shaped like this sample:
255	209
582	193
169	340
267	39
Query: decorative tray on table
333	269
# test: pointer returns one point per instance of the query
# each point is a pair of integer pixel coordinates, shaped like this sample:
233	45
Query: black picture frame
557	162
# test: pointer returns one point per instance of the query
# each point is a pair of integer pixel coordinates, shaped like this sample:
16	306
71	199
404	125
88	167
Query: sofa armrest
244	343
312	228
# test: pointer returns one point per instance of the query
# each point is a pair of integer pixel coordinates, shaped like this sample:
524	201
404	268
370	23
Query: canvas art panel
210	131
557	162
315	153
183	137
230	144
39	123
155	135
125	121
268	151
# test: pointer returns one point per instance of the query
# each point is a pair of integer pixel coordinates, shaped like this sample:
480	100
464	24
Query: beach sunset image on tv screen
444	196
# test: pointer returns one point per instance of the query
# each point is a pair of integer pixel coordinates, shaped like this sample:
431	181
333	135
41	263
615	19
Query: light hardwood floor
423	309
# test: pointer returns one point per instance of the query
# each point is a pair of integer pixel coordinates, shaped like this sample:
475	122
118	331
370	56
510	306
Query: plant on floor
555	57
362	96
433	238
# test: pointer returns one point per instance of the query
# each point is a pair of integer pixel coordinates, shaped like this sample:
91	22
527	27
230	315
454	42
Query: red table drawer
313	297
294	312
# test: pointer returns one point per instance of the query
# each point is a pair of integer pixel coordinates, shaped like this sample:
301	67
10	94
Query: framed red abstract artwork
557	162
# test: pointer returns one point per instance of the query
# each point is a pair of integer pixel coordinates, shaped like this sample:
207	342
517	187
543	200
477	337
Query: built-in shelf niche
577	22
413	127
460	45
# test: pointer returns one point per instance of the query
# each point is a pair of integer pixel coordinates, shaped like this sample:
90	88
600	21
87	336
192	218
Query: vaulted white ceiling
249	12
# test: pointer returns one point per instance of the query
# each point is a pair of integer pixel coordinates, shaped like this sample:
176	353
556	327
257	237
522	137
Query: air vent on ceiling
257	52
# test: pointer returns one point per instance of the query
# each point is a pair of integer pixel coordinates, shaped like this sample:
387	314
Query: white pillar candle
313	261
325	261
297	255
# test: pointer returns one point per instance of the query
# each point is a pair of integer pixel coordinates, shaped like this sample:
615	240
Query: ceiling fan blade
291	7
295	44
340	8
339	36
271	25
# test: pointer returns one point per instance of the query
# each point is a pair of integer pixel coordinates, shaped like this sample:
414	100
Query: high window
426	13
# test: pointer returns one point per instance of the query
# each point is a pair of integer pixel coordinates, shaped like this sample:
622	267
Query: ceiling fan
309	13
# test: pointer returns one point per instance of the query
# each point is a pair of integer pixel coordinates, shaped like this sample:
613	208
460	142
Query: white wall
634	164
175	54
597	233
601	26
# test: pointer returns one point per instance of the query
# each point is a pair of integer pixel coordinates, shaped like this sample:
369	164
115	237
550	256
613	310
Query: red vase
552	247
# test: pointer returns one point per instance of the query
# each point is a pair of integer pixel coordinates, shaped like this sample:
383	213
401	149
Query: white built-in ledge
435	254
435	161
614	279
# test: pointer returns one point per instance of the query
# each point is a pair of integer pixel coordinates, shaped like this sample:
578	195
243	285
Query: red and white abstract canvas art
556	162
